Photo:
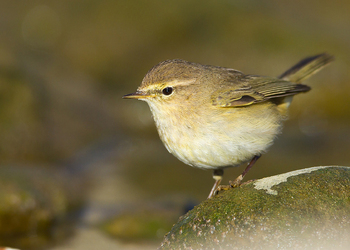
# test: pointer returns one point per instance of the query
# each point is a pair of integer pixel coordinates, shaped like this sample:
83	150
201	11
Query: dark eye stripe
167	91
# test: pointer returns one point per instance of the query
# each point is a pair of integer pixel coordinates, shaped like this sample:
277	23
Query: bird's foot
232	184
237	182
223	188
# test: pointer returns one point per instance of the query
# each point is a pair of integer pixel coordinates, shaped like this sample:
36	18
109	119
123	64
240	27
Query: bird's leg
217	176
218	173
239	179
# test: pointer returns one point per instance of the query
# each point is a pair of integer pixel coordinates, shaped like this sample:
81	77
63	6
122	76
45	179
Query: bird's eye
167	91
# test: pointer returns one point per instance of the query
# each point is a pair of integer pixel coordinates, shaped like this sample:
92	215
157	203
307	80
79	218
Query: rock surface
36	207
304	209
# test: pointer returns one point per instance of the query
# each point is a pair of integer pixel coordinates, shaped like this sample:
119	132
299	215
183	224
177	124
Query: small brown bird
213	117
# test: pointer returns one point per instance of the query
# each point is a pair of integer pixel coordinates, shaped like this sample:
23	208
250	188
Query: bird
212	117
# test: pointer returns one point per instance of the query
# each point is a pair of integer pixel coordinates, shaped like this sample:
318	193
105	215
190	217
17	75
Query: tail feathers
306	68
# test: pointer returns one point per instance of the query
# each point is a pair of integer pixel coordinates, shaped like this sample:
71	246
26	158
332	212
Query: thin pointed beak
136	95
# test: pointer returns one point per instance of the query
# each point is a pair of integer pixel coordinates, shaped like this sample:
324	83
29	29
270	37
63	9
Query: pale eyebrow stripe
173	83
181	83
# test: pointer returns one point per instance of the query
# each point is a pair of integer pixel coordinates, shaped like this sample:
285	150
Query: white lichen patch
268	182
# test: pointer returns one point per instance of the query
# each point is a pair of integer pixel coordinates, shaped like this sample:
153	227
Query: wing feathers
261	89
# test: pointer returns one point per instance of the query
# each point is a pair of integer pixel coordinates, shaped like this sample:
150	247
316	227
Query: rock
36	206
304	209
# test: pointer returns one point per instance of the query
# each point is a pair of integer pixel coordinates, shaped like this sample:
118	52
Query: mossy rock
304	209
36	207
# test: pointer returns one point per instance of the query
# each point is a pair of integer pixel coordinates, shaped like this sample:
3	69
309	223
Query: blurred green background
64	66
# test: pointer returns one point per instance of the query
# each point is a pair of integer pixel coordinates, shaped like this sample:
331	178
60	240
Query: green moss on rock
303	209
36	206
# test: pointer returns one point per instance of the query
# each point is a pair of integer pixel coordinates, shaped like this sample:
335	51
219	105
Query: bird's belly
210	154
205	151
219	146
216	143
